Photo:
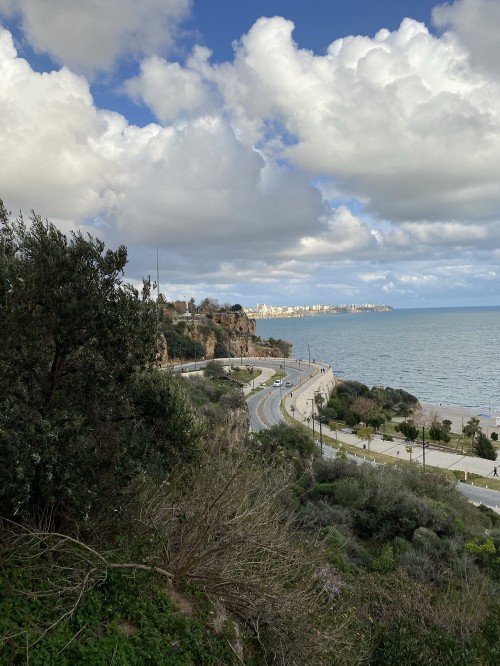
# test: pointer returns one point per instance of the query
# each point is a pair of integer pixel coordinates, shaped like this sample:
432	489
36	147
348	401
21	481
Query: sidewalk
301	402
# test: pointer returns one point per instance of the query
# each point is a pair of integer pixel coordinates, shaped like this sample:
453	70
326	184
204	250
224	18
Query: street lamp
311	400
320	434
309	353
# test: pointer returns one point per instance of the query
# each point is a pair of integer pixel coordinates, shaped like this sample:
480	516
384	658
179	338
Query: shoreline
460	415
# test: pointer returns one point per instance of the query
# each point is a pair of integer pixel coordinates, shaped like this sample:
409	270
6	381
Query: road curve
265	408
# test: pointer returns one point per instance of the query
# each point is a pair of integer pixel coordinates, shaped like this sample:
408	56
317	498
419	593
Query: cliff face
223	334
237	322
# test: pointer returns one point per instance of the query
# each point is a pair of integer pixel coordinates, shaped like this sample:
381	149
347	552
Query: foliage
408	429
284	346
439	431
221	526
285	443
214	370
180	345
366	434
75	425
352	401
125	620
483	447
472	428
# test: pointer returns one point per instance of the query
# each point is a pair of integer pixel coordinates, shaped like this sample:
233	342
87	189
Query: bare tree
224	527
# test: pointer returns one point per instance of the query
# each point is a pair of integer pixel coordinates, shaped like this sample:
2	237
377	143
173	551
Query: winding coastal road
298	400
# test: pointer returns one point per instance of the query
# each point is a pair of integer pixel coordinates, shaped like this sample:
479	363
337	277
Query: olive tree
74	338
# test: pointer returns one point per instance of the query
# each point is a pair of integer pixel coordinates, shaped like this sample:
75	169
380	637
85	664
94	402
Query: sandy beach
460	415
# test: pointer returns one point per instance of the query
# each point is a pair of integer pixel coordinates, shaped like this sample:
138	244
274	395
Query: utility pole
320	434
423	446
157	275
312	411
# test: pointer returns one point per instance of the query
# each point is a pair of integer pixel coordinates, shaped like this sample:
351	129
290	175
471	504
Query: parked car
278	382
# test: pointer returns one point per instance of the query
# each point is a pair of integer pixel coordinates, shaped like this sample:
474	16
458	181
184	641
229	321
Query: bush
484	448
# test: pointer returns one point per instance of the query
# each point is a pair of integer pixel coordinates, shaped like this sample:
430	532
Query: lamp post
309	354
423	447
311	400
320	434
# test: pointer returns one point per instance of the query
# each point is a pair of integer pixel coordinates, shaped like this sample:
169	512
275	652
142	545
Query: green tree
74	338
439	431
366	434
472	428
483	447
214	370
408	429
286	443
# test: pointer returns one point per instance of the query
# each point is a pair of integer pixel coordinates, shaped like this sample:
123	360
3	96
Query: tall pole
309	353
423	446
157	274
320	435
312	412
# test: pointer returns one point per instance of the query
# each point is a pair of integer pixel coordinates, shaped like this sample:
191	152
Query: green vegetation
353	403
142	524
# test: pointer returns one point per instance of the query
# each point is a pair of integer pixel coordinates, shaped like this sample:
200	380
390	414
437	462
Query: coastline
460	415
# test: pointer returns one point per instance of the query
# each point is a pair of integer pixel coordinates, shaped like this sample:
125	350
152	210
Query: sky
266	151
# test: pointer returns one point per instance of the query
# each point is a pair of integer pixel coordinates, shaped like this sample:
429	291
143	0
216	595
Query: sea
443	356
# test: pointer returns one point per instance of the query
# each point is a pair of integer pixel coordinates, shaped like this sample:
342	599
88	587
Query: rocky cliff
219	334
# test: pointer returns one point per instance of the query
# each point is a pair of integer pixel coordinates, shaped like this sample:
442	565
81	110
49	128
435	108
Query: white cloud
92	35
401	120
476	23
403	127
195	189
174	93
345	235
373	277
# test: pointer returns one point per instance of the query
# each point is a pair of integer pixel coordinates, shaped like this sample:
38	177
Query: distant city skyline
264	150
262	310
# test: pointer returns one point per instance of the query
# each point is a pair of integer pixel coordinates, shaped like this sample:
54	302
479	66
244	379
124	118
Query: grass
241	372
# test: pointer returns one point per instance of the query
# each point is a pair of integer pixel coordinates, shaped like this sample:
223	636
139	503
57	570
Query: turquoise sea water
448	356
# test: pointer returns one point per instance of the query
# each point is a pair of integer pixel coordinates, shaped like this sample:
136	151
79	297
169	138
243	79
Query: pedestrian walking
495	473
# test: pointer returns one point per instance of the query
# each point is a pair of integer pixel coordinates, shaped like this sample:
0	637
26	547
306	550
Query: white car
278	382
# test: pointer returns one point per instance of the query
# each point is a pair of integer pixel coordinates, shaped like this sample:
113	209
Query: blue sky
276	152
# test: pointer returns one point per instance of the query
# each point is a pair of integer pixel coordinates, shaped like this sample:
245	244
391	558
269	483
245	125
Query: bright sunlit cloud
369	163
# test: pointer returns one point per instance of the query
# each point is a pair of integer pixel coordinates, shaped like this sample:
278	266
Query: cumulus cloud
172	92
344	235
476	24
281	170
92	35
401	121
174	187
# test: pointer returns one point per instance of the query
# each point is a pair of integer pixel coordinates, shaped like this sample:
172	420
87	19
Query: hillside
141	522
218	332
